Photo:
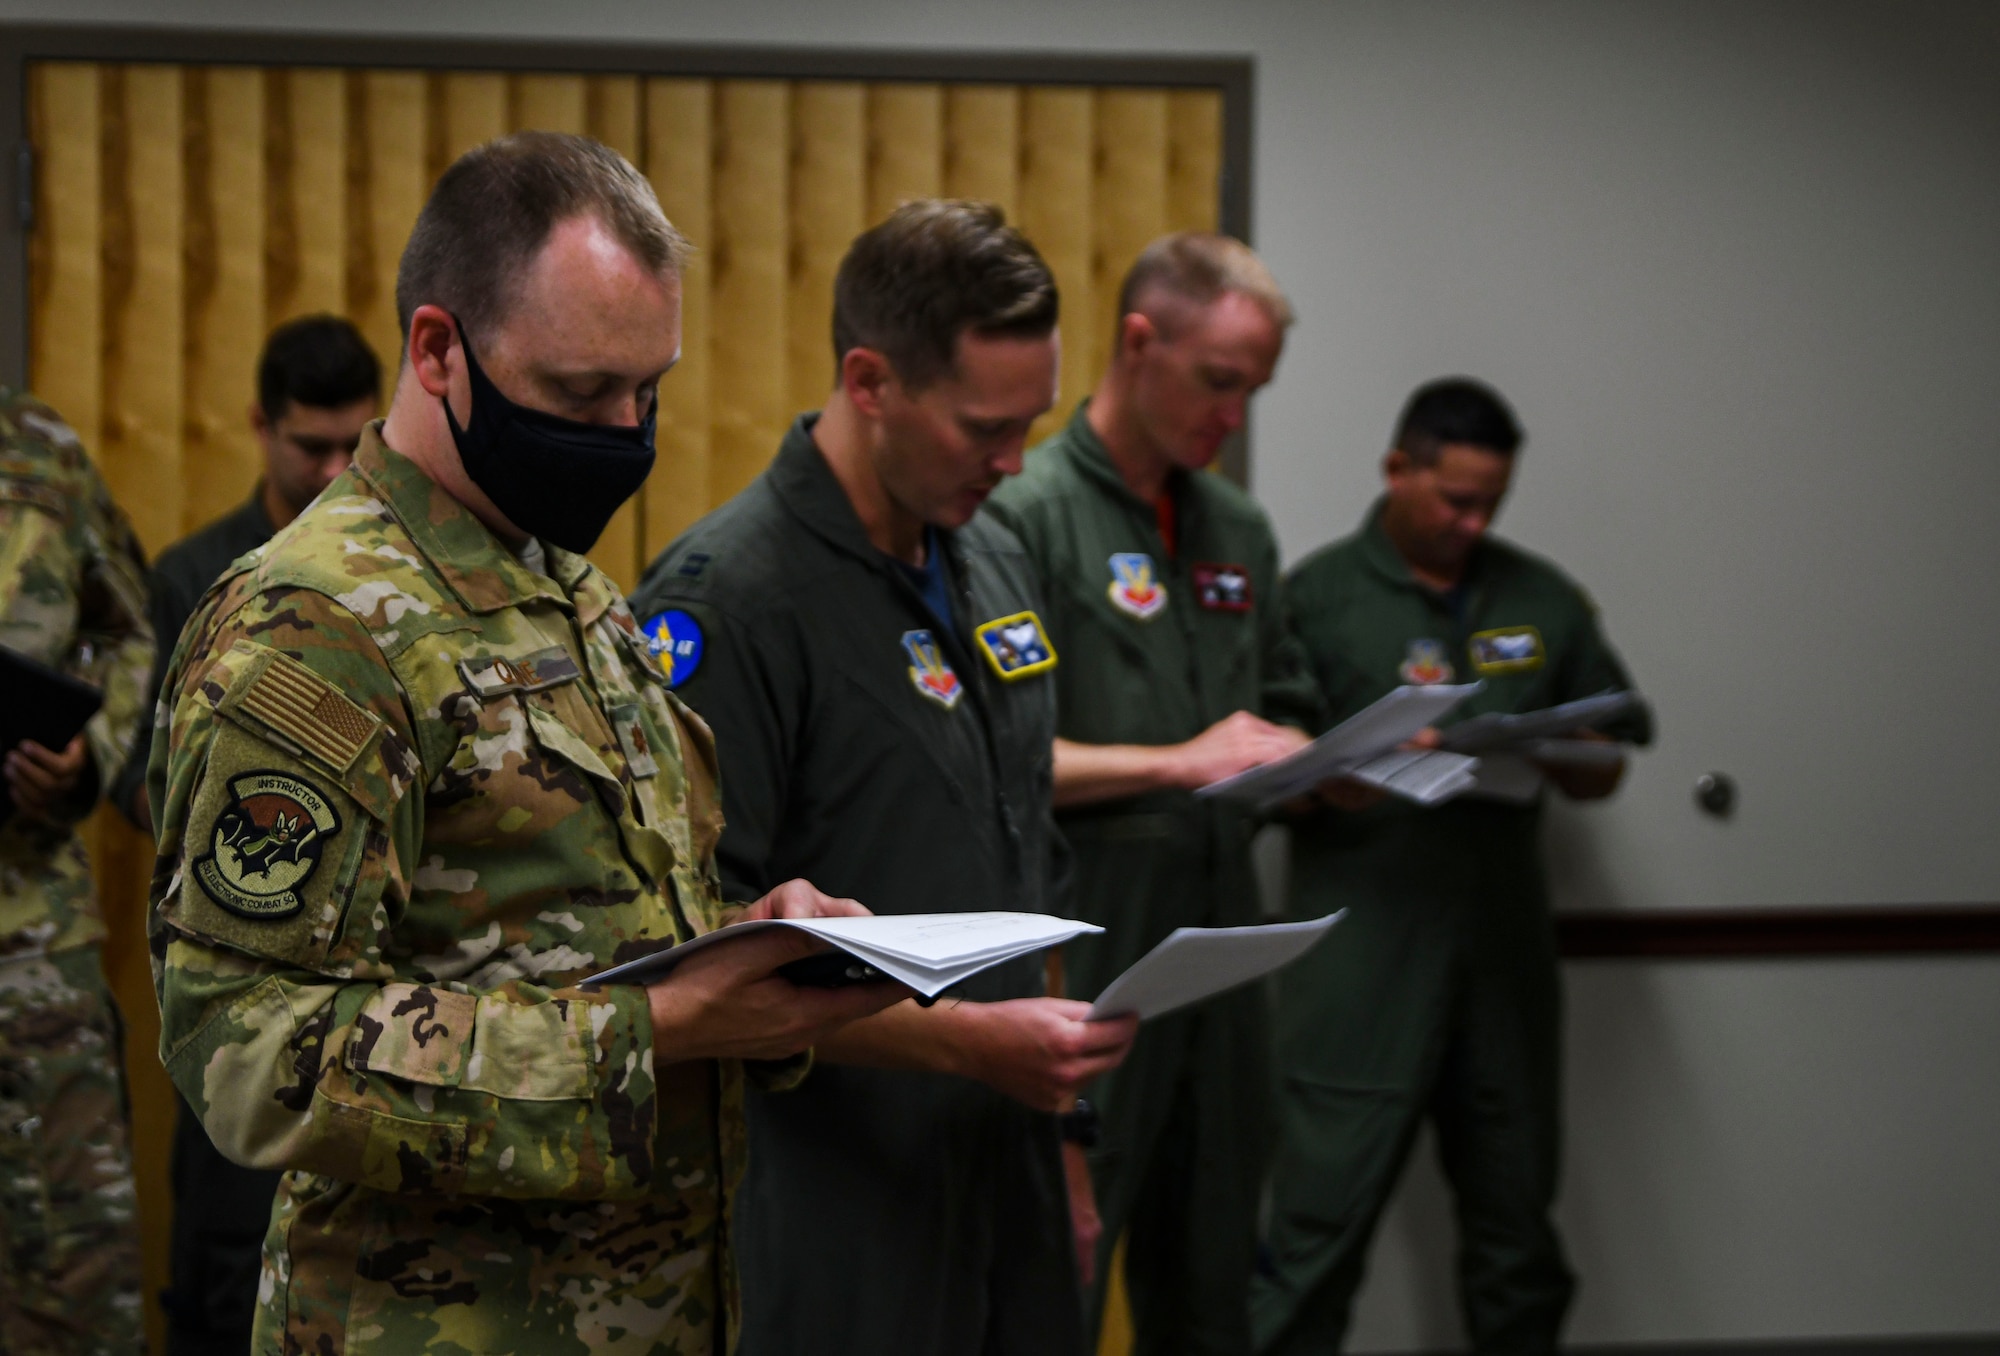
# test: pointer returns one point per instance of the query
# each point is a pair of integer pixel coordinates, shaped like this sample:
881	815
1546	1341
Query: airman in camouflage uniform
71	596
417	780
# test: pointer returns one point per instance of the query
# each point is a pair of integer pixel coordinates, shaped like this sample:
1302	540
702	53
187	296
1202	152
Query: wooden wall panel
305	194
387	153
1057	150
829	207
1129	201
905	146
678	135
66	252
467	109
1194	159
751	400
982	144
545	103
224	110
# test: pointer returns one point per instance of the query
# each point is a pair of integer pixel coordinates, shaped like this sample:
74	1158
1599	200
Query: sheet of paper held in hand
1367	746
1197	963
929	952
1511	747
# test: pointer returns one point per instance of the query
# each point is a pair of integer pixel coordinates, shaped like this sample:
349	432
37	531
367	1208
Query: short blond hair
1197	267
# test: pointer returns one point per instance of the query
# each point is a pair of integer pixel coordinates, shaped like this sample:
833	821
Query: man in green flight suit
1443	998
318	387
420	778
1166	608
73	598
872	658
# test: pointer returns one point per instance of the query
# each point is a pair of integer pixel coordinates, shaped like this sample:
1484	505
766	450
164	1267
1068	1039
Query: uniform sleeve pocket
414	1032
529	1051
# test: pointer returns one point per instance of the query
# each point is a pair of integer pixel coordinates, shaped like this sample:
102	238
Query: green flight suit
886	757
1442	999
73	596
1155	655
411	788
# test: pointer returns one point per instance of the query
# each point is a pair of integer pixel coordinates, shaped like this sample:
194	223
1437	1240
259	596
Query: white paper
1426	776
1508	777
1362	737
929	952
1197	963
1502	730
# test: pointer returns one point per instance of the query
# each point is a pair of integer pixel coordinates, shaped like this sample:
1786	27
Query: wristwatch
1080	1125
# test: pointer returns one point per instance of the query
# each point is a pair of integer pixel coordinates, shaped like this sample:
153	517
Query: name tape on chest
930	671
1222	588
674	640
1016	646
498	675
1506	649
1426	663
1135	587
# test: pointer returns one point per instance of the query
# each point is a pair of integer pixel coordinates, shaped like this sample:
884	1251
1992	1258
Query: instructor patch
266	844
1016	646
674	640
1509	649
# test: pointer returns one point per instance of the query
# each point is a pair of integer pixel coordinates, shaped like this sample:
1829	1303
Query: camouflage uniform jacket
410	793
72	595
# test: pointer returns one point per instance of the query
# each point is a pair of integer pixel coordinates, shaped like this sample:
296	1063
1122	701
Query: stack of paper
1367	746
929	952
1511	747
1196	963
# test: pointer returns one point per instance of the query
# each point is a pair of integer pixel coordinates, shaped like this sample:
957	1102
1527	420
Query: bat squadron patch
266	845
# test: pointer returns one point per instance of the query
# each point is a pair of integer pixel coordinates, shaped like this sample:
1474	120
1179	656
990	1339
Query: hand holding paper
1368	747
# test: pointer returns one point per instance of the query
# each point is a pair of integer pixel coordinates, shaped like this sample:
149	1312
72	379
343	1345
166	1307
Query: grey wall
1736	264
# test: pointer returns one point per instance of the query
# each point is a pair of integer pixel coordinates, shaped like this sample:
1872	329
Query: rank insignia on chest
1016	646
1508	649
266	844
929	671
1221	588
674	640
1426	664
1135	588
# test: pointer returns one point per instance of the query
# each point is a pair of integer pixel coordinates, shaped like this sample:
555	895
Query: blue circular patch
674	640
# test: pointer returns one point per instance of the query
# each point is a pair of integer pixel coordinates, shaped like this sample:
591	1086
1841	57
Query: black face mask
554	478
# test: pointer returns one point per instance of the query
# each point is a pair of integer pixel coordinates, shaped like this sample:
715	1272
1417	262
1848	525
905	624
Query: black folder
42	704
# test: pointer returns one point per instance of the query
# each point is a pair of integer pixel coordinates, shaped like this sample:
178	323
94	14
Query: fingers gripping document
1197	963
1367	747
929	952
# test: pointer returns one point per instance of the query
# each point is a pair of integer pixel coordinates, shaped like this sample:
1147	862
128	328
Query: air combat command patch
266	845
929	671
674	640
1016	646
1509	649
1426	664
1221	588
1134	588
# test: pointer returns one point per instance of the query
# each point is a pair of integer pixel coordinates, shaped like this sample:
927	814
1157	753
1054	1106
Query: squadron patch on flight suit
1508	649
929	671
266	844
1135	589
1426	664
1016	646
674	640
1221	588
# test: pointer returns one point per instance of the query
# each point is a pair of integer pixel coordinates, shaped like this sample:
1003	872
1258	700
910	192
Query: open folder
1368	747
1197	963
929	952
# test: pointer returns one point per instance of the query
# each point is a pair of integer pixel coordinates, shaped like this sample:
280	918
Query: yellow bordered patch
1016	645
1506	649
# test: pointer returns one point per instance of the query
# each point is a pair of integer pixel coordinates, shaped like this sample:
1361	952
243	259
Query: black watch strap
1080	1125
